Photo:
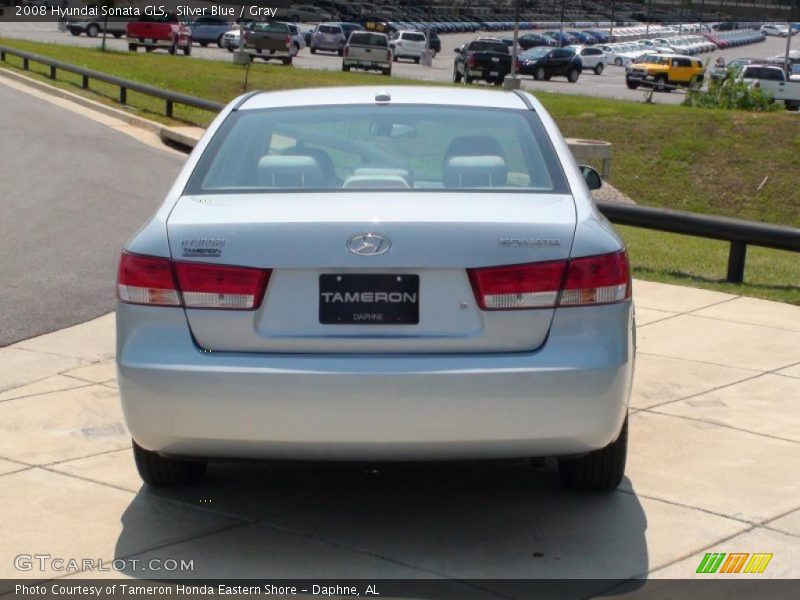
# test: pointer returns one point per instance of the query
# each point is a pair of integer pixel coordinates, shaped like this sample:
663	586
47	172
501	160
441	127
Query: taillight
288	41
389	55
159	281
516	287
592	280
220	286
597	280
146	280
471	60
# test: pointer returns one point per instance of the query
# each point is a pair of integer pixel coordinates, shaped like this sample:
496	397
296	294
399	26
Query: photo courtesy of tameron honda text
378	274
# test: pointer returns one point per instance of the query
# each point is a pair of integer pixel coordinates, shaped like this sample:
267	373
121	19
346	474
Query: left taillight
161	282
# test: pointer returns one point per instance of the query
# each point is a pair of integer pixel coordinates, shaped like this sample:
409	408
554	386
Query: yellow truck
664	72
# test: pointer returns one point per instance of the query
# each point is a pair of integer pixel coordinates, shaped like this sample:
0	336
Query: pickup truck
270	40
369	51
485	60
163	31
772	79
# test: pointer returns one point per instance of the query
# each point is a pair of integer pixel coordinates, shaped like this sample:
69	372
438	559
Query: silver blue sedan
378	274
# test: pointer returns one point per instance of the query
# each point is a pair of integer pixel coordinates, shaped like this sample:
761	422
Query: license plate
381	299
494	74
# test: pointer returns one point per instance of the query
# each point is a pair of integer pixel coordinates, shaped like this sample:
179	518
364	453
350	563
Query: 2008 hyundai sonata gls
377	274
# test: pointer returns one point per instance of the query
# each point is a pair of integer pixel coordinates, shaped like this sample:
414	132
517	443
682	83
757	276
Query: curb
182	138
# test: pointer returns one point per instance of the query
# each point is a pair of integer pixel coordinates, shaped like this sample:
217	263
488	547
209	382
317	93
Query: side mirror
591	177
458	50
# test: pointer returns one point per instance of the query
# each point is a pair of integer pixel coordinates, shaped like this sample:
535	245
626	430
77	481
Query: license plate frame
368	299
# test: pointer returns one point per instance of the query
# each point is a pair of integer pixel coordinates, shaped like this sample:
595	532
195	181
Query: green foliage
731	94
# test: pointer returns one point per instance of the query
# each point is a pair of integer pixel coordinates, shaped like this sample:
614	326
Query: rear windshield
329	29
497	47
271	27
361	147
414	37
368	39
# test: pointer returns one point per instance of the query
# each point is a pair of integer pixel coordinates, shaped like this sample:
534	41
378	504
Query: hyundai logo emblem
368	244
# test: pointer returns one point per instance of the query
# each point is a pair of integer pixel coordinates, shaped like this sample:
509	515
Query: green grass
700	160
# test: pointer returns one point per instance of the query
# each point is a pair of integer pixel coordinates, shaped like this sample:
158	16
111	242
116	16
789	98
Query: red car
164	31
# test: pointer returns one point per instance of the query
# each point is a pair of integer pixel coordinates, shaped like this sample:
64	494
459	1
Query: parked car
544	63
210	30
665	72
164	31
328	37
482	60
116	26
345	298
434	43
308	13
270	40
408	44
722	70
369	51
773	80
775	30
592	58
534	40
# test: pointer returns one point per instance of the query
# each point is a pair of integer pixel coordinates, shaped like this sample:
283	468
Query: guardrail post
169	108
736	256
123	95
85	82
52	73
25	63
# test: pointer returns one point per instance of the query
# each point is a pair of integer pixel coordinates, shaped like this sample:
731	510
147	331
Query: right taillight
591	280
159	281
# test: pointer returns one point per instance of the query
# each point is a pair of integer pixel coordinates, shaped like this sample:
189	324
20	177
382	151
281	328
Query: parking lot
611	84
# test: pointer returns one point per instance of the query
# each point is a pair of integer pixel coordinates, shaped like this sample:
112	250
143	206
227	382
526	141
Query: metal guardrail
170	98
738	232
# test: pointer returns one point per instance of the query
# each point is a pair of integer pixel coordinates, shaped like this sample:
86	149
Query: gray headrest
284	171
474	172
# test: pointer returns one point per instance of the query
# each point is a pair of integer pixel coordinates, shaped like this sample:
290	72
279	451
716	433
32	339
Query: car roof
457	96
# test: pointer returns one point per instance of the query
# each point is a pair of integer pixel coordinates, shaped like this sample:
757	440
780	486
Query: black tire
92	30
219	40
660	83
598	471
539	73
340	52
618	61
132	47
187	50
632	85
387	72
345	68
230	49
395	58
312	50
456	76
141	40
416	60
287	61
467	79
173	48
296	47
75	31
598	68
117	34
572	75
160	471
203	44
149	49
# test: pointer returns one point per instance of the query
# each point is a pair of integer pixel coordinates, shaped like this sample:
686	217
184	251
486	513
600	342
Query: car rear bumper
366	64
568	397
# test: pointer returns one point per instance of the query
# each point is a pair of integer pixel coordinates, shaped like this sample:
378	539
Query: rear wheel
173	47
92	30
132	47
632	85
601	470
187	50
220	41
598	68
467	79
456	76
618	61
287	61
312	50
387	72
75	31
117	34
661	83
572	75
345	68
416	60
203	44
160	471
539	74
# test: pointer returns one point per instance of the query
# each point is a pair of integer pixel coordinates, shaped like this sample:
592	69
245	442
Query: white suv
408	44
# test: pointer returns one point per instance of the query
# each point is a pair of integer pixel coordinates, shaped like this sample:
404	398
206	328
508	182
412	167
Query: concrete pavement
715	447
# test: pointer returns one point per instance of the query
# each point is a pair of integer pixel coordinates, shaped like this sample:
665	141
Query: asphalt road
72	191
611	84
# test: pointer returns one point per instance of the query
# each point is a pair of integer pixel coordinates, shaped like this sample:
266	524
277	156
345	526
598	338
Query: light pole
511	82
